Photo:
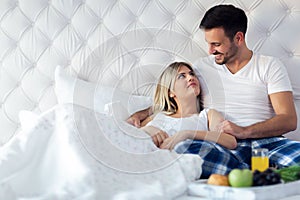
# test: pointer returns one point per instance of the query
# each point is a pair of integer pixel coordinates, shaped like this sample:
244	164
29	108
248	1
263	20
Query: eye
192	73
215	44
180	76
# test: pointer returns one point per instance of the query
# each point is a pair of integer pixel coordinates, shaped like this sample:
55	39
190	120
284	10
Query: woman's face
186	84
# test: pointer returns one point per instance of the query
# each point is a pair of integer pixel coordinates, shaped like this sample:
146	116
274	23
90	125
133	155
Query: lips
218	57
192	84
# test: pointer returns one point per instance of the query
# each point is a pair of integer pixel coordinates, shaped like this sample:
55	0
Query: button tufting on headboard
120	42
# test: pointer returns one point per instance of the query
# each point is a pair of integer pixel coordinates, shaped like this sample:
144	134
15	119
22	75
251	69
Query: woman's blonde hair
162	100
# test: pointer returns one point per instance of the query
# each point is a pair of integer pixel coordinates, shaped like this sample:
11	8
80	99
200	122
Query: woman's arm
223	139
157	135
214	119
146	121
215	135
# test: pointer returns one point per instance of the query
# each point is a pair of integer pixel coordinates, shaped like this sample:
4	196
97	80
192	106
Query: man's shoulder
265	62
264	57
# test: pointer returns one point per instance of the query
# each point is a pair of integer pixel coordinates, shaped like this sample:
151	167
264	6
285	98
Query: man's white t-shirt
172	125
242	97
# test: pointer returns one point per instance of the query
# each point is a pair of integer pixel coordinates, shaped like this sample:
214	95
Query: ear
239	37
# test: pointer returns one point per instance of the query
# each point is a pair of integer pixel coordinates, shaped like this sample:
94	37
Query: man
252	91
251	79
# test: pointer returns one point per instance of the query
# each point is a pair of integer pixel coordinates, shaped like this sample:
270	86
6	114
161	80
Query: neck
186	108
239	61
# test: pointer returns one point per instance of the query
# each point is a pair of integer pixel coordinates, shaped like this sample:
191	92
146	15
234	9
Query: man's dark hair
228	17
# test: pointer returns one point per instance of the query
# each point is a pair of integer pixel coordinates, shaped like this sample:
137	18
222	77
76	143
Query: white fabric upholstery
122	43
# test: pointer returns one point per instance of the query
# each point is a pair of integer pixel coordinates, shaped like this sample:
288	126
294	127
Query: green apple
240	178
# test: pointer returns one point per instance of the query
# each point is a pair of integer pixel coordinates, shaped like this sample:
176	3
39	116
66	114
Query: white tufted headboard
124	43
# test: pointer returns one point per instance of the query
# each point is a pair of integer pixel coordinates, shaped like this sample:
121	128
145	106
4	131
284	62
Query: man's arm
136	118
284	121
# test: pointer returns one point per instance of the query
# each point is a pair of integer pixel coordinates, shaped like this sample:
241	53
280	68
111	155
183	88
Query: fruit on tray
267	177
218	179
240	178
247	178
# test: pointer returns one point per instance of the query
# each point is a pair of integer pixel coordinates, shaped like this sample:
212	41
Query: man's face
220	46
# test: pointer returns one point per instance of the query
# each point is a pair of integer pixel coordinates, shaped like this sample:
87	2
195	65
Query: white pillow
103	99
28	119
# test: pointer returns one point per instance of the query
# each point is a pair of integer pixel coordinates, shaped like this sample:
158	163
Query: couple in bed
251	91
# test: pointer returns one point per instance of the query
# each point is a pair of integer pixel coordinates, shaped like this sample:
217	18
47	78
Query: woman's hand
170	142
159	137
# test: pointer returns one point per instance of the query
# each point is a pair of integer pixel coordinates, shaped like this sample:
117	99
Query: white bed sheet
71	152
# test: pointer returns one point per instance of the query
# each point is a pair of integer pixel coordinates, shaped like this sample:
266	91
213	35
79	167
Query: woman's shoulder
160	115
209	112
205	111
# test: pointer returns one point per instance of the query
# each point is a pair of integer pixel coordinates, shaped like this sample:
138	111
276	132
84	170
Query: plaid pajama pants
219	160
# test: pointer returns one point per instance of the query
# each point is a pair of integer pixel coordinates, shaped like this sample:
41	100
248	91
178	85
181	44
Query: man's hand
134	120
284	121
233	129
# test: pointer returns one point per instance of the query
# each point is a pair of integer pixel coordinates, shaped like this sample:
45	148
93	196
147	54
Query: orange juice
260	163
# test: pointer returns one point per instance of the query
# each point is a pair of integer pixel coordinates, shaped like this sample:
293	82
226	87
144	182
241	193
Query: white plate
278	191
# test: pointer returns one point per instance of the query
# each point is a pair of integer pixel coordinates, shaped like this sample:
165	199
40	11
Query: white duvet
71	152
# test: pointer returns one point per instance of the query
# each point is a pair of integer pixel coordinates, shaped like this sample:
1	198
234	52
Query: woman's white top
172	125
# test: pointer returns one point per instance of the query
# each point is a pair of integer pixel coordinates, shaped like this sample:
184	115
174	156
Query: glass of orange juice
260	159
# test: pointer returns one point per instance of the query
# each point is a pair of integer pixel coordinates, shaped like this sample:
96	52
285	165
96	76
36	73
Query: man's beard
227	56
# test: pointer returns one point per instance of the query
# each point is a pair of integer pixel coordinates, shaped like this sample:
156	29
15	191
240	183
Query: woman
176	109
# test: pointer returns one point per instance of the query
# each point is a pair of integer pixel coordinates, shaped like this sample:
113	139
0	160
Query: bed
95	62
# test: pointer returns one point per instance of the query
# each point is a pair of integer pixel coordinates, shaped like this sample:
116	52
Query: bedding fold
71	152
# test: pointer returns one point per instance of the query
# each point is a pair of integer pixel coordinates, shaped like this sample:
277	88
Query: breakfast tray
202	189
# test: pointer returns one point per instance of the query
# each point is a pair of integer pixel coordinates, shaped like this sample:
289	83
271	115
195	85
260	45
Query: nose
211	49
191	77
